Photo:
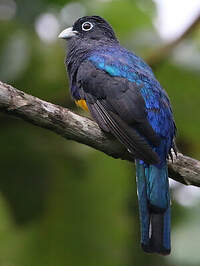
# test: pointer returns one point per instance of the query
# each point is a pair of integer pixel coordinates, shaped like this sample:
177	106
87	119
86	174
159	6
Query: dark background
62	203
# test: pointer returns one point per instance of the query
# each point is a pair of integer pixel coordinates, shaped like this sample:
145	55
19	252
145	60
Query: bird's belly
82	104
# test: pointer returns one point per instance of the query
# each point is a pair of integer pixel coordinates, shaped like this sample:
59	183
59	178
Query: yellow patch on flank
82	104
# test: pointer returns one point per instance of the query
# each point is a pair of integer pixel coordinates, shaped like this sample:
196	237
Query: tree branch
160	54
81	129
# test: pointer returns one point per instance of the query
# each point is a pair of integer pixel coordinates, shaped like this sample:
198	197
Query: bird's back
119	62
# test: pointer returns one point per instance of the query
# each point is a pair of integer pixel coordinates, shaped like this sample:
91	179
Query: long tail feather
154	206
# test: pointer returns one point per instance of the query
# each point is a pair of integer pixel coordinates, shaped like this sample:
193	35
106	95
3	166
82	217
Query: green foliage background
62	203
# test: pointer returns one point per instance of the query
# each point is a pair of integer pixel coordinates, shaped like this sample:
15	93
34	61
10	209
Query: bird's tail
154	207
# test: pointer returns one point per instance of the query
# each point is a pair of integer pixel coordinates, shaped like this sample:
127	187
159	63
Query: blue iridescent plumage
125	99
153	187
117	61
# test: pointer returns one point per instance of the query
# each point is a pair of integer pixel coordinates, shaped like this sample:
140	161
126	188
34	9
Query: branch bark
81	129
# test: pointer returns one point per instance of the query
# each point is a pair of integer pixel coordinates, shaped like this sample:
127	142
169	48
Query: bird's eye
86	26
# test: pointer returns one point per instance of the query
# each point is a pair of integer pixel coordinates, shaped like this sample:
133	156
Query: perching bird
124	98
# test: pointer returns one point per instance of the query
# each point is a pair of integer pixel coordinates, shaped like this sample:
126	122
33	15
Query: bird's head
89	28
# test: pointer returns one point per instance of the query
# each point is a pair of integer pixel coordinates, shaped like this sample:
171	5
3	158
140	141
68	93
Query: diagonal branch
81	129
160	54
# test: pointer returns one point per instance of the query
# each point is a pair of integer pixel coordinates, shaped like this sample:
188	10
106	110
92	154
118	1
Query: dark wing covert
117	106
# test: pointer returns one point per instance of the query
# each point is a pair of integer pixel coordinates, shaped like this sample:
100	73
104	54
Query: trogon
123	96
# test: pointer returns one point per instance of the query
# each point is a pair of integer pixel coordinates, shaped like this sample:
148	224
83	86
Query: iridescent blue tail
154	207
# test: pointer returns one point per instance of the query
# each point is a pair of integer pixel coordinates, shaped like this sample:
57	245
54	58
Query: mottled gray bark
81	129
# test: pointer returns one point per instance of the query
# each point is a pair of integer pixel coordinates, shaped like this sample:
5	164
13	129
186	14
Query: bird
123	96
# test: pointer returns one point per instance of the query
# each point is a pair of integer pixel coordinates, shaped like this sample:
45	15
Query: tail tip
148	248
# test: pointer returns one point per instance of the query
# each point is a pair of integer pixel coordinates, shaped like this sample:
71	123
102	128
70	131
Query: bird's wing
118	106
118	62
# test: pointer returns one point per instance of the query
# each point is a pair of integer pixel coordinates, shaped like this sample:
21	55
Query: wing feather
118	107
128	136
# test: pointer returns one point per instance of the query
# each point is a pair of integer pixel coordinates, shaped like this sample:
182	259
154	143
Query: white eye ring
86	26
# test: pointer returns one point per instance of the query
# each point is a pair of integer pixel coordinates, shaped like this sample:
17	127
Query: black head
90	27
